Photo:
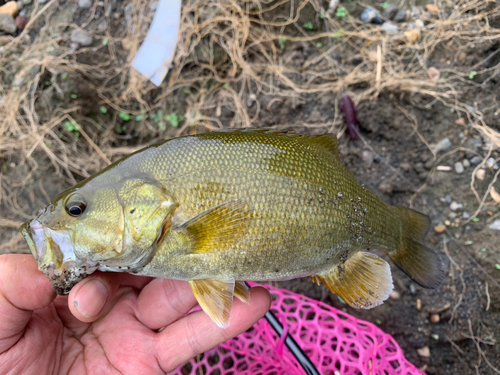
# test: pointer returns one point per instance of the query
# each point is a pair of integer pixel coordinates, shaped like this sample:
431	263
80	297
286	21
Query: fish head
111	227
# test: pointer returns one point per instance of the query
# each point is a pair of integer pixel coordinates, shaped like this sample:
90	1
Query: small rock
413	289
439	228
21	22
251	100
459	167
419	167
129	11
7	23
419	23
367	157
127	43
25	12
460	121
452	215
389	27
42	1
434	318
85	4
81	37
429	164
490	163
419	304
466	163
10	8
424	352
448	199
475	160
447	223
401	16
386	186
433	74
462	57
454	206
432	8
412	35
20	5
395	295
27	2
465	216
390	11
415	12
371	16
495	225
405	167
443	145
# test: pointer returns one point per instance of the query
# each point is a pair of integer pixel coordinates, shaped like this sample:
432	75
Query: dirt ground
68	110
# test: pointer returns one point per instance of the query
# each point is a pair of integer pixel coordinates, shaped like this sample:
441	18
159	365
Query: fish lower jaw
64	278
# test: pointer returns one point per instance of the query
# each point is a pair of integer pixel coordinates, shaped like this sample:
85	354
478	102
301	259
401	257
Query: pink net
335	342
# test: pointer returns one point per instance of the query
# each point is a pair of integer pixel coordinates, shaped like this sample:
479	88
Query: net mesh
336	343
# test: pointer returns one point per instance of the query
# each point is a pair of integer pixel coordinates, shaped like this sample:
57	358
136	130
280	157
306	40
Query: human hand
108	324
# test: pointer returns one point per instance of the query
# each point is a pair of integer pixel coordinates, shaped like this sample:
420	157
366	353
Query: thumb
23	288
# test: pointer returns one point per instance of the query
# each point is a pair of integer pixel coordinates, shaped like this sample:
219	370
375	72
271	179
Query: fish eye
76	208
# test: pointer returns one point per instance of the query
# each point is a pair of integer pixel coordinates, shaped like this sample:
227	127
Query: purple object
350	116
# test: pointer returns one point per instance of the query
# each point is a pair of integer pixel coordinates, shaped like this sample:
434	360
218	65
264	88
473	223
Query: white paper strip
154	58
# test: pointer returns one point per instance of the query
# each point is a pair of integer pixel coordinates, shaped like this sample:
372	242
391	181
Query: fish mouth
55	255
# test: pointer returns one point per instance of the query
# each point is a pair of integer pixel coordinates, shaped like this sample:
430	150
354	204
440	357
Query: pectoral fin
363	281
218	228
215	298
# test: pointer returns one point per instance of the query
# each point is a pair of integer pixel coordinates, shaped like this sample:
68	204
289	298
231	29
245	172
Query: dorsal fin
327	142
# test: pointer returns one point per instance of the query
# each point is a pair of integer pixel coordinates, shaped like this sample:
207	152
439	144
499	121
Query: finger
23	288
163	301
138	282
196	333
90	297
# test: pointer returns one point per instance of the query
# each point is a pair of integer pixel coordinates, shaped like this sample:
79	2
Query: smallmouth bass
225	207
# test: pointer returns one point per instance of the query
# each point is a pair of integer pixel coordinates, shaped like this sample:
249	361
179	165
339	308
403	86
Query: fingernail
91	299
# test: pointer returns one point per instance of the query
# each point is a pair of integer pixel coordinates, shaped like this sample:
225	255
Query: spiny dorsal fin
215	298
328	142
363	281
218	228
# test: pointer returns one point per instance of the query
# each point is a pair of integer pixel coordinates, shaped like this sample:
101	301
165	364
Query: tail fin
419	262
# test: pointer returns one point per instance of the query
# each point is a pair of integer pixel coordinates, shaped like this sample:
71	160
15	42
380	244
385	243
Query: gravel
7	23
389	27
85	4
400	16
81	37
371	16
443	145
459	167
495	225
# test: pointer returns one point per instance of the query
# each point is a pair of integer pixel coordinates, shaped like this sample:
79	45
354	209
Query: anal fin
215	298
241	292
363	281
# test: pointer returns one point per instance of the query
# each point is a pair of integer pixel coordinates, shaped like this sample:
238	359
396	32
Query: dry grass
228	52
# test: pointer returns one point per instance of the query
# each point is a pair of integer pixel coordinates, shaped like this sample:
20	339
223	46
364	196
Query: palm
143	329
